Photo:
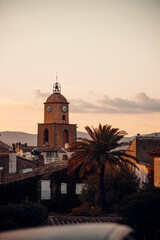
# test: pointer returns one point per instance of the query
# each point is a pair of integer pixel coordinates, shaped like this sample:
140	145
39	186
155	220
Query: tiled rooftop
39	171
4	147
65	220
51	149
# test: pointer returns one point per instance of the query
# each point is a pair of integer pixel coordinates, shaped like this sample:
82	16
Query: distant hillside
10	137
13	137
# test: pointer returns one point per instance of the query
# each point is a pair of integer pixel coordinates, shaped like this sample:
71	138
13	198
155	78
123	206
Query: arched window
63	117
65	137
46	137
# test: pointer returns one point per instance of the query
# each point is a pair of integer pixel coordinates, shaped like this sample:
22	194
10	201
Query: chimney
13	147
12	161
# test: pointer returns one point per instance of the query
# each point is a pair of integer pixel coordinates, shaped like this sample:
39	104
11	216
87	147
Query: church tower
56	132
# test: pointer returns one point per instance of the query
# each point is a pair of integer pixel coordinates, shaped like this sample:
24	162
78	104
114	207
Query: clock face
49	108
64	109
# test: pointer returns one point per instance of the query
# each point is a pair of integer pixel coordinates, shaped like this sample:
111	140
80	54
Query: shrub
26	214
89	194
118	185
142	210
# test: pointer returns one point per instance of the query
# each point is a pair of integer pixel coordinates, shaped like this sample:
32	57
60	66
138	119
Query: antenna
56	86
56	77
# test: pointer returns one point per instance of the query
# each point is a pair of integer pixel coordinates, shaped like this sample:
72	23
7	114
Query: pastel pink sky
106	52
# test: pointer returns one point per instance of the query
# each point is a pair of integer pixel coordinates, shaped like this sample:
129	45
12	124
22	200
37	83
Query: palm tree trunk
102	189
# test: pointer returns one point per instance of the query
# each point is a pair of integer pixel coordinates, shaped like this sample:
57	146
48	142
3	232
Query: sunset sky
106	53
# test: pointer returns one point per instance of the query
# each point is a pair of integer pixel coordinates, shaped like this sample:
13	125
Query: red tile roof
46	169
65	220
27	160
4	147
50	149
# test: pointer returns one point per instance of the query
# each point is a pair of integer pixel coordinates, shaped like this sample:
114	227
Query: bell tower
56	107
55	131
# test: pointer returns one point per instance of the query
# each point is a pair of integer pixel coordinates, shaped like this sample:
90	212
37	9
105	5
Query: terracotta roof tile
4	147
50	149
39	171
65	220
56	97
27	160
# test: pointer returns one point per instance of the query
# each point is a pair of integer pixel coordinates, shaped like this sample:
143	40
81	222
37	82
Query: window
46	137
48	154
65	137
45	189
63	117
63	188
79	187
55	154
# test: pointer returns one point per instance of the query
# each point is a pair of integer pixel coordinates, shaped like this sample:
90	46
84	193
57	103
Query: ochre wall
56	113
157	171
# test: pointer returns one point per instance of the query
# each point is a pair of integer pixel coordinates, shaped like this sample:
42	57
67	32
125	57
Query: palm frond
101	149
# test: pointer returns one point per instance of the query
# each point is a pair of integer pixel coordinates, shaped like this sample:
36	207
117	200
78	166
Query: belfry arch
65	137
46	137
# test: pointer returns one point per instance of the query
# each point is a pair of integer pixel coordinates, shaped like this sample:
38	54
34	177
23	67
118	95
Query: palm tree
102	149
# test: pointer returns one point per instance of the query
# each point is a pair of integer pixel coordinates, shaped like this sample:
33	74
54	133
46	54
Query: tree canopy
104	147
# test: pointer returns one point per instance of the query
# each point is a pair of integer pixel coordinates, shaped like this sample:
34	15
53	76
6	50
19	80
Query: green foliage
103	148
26	214
119	184
89	194
142	209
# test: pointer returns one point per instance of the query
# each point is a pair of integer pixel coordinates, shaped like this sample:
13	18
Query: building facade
156	164
56	131
140	148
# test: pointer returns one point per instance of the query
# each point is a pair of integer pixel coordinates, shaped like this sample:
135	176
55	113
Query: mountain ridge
10	137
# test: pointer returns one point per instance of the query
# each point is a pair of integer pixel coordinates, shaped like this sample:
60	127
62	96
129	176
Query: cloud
141	103
39	94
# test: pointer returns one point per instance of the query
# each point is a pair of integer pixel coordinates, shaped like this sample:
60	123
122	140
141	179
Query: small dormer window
63	117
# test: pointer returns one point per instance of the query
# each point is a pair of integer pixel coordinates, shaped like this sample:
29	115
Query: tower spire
56	86
56	77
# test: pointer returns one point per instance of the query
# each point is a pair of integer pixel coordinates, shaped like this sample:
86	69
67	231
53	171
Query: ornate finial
56	86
